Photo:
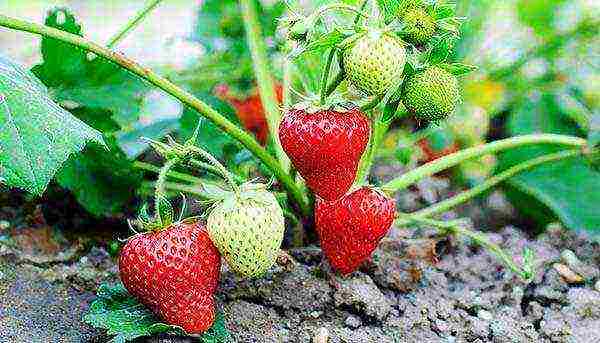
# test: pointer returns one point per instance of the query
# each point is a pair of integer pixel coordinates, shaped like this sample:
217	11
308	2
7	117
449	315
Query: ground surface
418	288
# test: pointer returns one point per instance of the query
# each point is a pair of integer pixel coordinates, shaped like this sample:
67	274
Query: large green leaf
103	181
86	81
116	311
36	135
567	189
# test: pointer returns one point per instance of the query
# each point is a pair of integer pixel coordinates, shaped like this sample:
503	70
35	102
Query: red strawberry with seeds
350	228
175	272
325	146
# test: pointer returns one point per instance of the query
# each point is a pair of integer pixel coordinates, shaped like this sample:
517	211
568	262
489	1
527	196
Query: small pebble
316	314
567	274
353	322
597	286
322	336
569	258
485	315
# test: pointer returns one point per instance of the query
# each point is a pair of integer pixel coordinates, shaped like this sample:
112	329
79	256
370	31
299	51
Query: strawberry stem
325	77
493	181
525	272
456	158
132	23
221	169
159	190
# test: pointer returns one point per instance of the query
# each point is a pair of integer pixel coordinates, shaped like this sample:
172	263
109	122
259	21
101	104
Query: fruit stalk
455	228
325	77
491	182
264	80
456	158
159	191
185	97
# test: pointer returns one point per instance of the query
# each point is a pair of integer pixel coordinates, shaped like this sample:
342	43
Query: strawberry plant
283	119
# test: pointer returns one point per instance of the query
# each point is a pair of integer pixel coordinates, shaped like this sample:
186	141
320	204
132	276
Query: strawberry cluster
326	146
174	268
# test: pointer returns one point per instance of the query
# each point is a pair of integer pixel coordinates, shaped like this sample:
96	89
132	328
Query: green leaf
36	135
131	143
321	43
567	189
103	181
458	68
116	311
86	81
440	48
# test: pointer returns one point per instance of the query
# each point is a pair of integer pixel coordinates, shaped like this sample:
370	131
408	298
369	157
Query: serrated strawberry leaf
125	318
36	135
84	81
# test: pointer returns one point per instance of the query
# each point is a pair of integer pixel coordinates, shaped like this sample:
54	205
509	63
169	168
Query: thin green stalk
465	196
221	169
378	133
380	128
159	190
264	79
185	97
133	22
361	8
456	158
212	169
477	237
325	77
339	77
172	174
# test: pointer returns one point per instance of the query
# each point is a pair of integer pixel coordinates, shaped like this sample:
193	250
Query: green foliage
108	99
103	181
570	188
36	135
87	81
121	315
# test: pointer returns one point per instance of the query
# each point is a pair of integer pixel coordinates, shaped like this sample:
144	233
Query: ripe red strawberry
350	228
250	110
174	272
325	146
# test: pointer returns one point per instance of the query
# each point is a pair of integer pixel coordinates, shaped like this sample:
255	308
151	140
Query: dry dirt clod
567	274
322	336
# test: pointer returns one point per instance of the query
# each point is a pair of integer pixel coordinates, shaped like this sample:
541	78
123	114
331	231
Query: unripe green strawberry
375	62
431	94
247	228
407	5
420	26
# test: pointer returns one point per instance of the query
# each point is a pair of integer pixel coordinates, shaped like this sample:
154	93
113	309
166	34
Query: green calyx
431	94
374	62
419	26
247	228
